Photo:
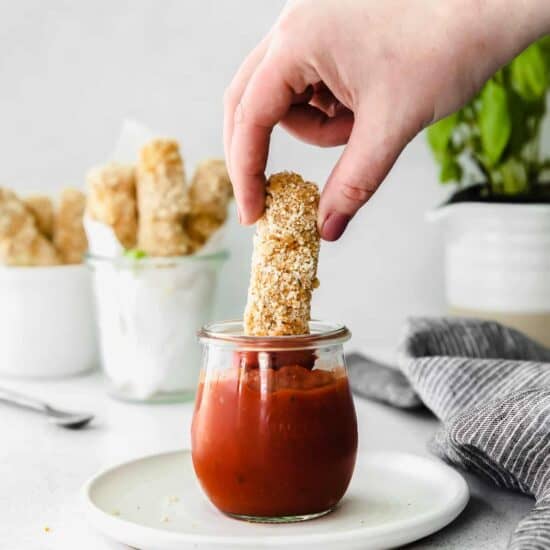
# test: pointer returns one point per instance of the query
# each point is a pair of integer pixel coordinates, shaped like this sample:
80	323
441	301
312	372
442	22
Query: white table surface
42	467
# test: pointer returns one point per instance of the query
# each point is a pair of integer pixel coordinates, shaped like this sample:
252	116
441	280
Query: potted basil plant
497	223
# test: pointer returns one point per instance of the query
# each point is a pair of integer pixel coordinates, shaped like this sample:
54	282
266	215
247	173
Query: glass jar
274	433
148	311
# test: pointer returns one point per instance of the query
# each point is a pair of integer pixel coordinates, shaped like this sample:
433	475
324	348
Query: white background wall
71	71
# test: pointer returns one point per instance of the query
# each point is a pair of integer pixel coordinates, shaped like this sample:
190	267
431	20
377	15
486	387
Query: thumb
369	154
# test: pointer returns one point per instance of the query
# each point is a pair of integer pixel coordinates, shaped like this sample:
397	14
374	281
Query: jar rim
231	333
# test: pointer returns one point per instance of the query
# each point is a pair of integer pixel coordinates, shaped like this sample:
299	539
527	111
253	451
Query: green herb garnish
135	254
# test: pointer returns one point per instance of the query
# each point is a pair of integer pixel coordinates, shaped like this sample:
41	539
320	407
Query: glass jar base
280	519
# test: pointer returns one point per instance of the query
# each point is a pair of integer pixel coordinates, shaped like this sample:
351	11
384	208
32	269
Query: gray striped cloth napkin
490	387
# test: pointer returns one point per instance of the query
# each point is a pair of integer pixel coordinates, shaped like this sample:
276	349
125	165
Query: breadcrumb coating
163	200
69	236
211	189
284	260
112	200
41	207
199	228
21	243
210	193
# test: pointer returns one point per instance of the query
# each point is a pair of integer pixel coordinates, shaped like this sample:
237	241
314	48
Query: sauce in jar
276	441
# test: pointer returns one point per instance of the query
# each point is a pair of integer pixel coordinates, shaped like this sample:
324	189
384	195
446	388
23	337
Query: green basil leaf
544	44
440	133
135	254
450	171
529	73
514	177
494	121
522	124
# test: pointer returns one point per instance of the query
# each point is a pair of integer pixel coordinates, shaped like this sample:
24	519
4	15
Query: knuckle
250	166
279	48
289	31
357	194
287	21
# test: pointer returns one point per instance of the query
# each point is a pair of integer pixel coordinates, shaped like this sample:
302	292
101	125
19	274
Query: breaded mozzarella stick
112	200
69	236
163	200
284	261
209	193
41	207
21	243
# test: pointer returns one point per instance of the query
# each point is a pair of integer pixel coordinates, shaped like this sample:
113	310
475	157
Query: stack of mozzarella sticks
33	232
151	208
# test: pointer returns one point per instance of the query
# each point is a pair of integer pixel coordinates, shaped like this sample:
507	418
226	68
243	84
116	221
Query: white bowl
46	321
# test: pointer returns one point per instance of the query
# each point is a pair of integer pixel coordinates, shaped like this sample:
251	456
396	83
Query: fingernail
239	215
334	225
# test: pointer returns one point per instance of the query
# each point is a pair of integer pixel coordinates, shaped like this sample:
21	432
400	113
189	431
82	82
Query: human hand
368	74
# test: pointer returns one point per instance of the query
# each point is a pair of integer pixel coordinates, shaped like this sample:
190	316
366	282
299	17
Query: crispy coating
163	200
21	243
209	193
112	200
211	190
41	207
164	238
284	260
200	227
69	236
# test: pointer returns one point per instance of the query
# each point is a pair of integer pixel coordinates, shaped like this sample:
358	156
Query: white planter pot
46	321
497	263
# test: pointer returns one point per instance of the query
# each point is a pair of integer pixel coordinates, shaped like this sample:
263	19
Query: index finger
265	101
235	90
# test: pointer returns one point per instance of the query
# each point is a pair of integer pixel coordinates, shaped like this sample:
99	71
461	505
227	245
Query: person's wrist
494	31
539	13
517	23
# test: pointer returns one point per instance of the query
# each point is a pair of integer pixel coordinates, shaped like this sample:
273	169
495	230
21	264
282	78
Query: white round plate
155	503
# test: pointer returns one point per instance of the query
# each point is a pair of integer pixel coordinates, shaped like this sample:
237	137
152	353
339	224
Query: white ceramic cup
47	324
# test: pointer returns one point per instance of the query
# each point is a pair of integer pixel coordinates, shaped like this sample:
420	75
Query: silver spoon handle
14	398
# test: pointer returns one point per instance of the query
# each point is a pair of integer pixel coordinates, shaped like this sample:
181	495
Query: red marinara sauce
271	442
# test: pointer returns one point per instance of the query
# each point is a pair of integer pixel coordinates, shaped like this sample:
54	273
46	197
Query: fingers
325	100
265	101
313	126
303	97
235	91
370	153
